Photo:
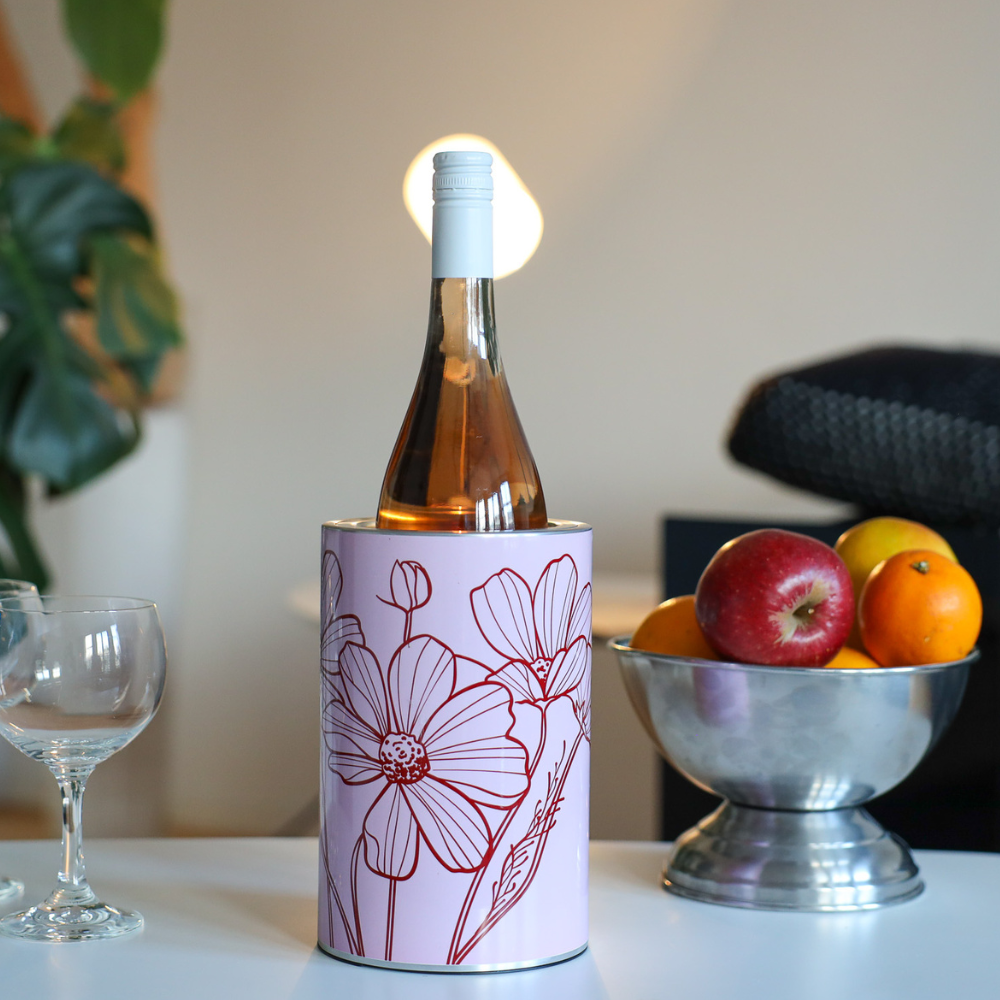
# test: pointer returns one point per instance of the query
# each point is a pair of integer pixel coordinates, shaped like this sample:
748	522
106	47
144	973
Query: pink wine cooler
456	746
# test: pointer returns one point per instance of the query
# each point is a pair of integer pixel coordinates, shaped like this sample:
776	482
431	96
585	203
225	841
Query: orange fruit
851	659
919	607
672	628
864	545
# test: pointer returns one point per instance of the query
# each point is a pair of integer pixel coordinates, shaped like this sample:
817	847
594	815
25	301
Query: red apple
776	597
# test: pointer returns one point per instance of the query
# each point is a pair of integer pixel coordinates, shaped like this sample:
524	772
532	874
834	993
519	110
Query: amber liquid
461	462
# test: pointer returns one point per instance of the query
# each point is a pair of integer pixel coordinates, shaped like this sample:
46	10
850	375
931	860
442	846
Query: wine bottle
461	461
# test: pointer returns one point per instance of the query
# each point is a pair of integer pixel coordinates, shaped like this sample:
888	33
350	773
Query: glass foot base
9	888
70	923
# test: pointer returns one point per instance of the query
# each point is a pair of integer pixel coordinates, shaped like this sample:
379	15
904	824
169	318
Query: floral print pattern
544	636
429	741
440	755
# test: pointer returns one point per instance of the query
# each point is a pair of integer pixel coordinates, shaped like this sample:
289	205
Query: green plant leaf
65	432
57	295
89	132
53	205
144	370
13	509
119	41
17	353
10	299
136	308
17	144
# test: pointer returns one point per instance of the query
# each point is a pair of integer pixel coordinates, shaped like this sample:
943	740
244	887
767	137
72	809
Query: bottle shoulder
462	461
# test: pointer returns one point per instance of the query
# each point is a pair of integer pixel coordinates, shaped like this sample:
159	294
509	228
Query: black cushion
902	430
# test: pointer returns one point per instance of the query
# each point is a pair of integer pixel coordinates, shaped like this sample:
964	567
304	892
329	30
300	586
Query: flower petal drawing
339	632
491	770
502	608
521	681
553	662
336	631
391	835
580	623
421	679
581	705
480	772
553	605
568	668
333	584
353	746
363	687
453	826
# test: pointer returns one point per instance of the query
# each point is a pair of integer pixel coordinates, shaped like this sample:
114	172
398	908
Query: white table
236	918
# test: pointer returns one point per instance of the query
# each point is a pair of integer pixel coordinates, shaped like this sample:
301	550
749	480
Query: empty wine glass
10	887
80	677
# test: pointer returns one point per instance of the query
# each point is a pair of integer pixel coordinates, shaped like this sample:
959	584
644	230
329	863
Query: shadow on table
577	978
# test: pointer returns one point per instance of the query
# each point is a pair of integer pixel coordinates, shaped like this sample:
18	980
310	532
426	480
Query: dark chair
952	801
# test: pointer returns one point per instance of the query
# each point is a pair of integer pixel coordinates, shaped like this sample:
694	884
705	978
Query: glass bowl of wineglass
80	677
11	887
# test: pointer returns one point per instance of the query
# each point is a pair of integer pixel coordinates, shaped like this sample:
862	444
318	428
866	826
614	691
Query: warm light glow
517	219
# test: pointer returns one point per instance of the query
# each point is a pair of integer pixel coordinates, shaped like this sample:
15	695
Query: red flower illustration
545	636
581	705
336	631
439	753
409	585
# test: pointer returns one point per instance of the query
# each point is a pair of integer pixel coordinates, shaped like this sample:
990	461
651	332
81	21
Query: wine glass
80	677
10	887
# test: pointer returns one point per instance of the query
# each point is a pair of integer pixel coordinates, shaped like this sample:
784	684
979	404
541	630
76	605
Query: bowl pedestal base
773	859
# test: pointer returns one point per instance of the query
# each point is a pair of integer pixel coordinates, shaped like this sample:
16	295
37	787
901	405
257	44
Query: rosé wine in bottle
461	462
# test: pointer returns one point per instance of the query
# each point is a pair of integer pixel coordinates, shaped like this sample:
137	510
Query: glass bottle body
461	462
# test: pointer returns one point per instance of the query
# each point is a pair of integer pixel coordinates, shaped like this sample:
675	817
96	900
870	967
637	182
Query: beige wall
728	188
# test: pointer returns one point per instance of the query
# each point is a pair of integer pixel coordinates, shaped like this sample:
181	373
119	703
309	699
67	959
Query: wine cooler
456	745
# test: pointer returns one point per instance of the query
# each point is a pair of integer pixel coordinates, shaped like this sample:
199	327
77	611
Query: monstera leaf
72	242
89	132
52	206
66	433
118	40
136	309
26	564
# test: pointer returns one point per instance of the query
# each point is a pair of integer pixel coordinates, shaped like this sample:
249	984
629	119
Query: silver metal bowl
795	752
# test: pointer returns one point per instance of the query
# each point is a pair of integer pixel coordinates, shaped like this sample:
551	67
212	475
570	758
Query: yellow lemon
865	545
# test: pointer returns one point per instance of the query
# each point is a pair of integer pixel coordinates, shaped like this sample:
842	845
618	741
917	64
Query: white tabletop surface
236	918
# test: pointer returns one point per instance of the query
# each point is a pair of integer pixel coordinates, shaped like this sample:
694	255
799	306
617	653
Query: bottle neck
462	238
461	333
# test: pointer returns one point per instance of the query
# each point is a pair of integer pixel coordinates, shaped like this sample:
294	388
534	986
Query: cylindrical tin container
456	746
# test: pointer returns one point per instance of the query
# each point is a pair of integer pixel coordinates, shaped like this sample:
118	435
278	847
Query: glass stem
73	889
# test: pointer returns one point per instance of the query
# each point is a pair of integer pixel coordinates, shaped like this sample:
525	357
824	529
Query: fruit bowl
795	753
